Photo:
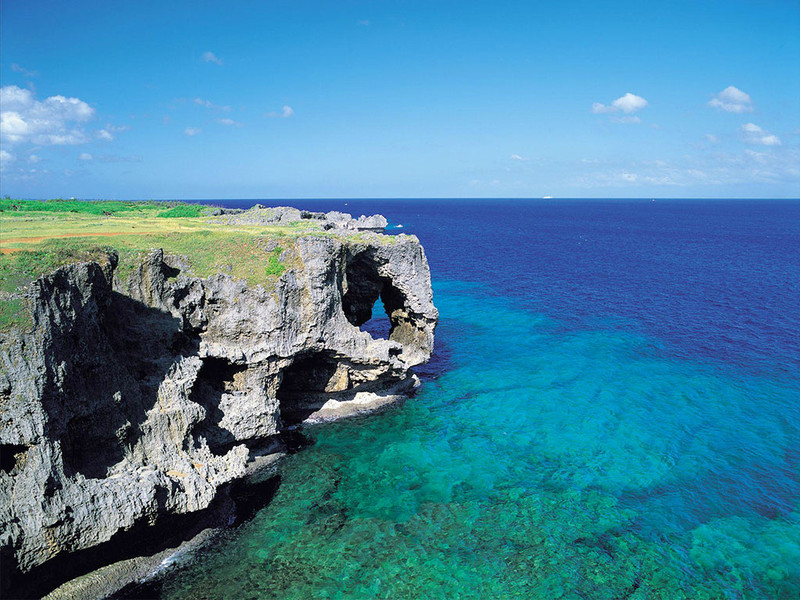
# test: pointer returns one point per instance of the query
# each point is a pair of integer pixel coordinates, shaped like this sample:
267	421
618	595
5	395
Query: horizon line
394	198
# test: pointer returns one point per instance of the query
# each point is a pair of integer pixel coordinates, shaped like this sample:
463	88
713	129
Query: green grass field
36	237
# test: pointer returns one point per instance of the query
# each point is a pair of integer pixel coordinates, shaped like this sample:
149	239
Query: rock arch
365	286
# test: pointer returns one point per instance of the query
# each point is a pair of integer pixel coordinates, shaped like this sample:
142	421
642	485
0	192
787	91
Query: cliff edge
129	400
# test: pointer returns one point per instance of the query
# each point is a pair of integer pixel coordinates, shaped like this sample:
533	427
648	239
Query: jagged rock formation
131	400
333	220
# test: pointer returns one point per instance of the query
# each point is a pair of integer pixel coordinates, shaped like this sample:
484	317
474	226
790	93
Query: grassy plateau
37	237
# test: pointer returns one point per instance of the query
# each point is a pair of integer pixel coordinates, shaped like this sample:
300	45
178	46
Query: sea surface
612	411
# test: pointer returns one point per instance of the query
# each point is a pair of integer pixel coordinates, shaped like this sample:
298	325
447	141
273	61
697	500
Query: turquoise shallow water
540	464
549	455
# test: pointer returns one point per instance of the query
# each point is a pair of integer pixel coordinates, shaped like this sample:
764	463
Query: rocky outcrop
286	215
128	401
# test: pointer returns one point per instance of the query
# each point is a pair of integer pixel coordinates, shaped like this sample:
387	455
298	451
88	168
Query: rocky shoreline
136	571
134	408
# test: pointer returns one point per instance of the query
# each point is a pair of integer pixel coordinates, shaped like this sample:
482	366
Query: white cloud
53	121
210	57
770	140
192	131
760	157
20	69
6	157
518	157
733	100
108	132
33	159
12	126
211	105
626	119
629	103
753	134
767	165
770	165
111	158
711	138
600	108
229	122
364	22
646	175
85	156
284	114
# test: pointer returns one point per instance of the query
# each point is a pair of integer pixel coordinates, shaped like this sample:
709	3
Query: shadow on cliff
234	504
103	378
108	357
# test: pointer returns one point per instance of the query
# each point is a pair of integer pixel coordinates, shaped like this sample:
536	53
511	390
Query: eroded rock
128	401
286	215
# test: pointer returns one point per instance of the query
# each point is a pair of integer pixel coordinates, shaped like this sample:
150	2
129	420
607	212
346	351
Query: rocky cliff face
128	401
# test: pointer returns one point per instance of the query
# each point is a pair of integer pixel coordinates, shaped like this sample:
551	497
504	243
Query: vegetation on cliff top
106	207
37	237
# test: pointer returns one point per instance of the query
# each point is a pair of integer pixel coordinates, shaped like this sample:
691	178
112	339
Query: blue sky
305	99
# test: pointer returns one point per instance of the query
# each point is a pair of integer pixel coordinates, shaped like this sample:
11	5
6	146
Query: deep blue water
714	280
613	410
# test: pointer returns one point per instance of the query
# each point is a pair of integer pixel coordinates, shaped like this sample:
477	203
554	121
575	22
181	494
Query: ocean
612	411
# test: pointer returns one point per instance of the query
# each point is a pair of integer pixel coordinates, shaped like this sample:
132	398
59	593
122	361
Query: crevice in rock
216	378
11	456
184	344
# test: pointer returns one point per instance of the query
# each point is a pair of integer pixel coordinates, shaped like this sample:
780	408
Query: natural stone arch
365	286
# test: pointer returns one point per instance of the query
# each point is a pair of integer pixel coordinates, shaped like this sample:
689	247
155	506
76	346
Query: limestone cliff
131	400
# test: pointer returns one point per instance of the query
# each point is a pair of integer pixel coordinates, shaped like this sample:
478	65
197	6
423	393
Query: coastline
206	358
132	577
